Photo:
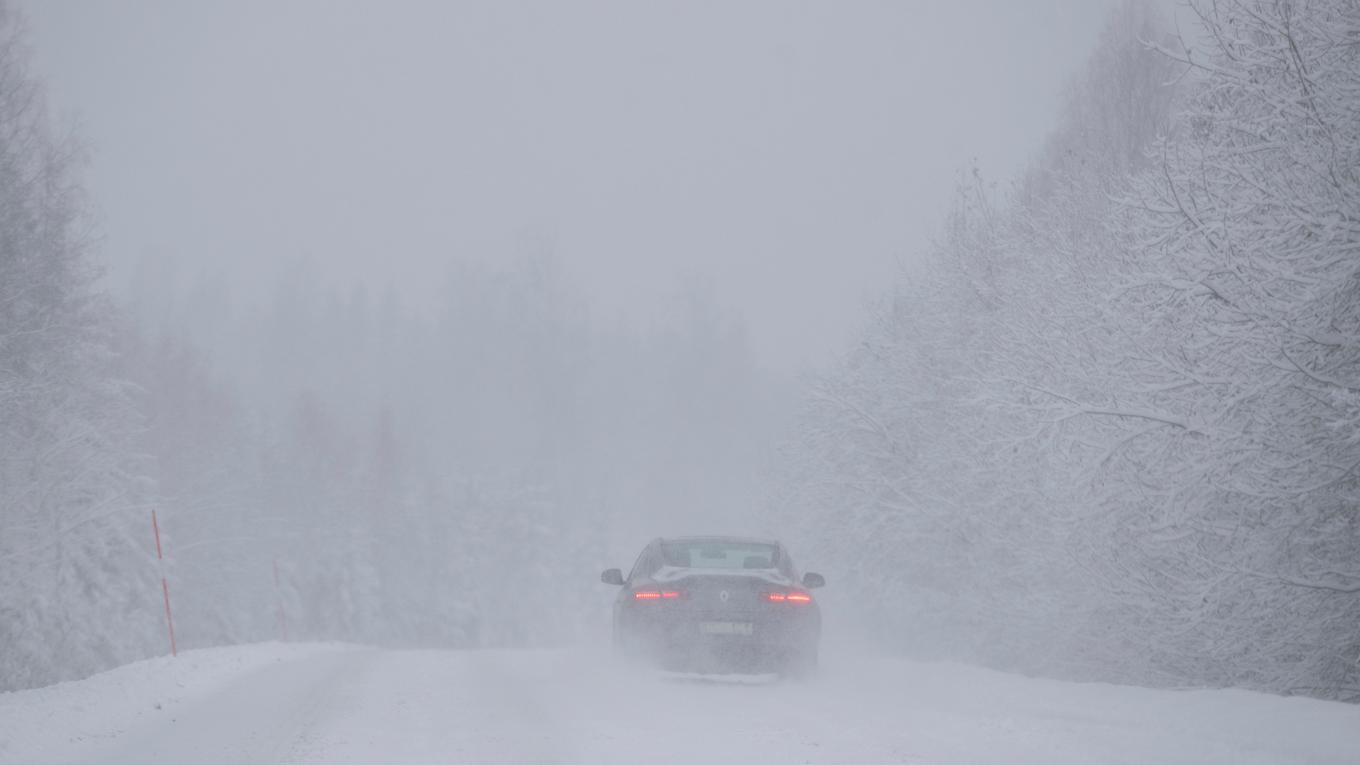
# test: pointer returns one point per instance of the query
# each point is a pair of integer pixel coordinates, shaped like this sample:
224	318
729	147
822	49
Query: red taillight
655	594
670	594
788	597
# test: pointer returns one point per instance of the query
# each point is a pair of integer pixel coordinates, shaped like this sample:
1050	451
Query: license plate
726	628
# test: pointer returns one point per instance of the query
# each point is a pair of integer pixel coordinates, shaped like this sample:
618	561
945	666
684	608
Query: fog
588	253
787	154
1032	327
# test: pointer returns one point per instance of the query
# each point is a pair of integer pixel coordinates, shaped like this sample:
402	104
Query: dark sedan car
718	604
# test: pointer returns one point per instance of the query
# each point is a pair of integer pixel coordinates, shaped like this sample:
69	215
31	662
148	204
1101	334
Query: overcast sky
788	153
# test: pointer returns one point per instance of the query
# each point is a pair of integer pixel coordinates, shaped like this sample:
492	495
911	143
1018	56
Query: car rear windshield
718	553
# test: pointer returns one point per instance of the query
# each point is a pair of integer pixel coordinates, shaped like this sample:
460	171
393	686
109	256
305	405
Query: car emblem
723	596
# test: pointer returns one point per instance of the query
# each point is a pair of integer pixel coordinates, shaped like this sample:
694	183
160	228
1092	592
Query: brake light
656	594
788	597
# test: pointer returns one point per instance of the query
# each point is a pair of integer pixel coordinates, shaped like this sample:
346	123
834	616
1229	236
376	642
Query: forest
1110	429
1106	428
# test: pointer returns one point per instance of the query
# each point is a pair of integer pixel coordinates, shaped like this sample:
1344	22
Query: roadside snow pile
73	721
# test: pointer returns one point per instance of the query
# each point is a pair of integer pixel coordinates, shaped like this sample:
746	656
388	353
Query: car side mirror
612	576
813	581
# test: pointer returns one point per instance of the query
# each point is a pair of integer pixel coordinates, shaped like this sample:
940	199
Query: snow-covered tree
1107	428
1249	295
76	592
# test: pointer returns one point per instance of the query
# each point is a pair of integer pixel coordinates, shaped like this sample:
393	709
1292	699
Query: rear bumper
682	644
731	655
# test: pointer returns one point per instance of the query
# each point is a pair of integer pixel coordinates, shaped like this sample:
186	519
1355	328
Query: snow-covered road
339	704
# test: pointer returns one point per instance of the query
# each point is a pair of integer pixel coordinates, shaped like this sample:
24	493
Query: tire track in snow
483	707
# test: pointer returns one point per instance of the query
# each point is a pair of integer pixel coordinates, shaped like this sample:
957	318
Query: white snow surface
276	703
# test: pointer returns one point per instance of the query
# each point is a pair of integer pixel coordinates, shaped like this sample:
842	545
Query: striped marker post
165	586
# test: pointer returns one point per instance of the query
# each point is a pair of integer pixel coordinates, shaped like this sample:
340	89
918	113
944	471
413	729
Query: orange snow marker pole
165	586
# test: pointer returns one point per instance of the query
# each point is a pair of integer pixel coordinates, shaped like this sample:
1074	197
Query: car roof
719	538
